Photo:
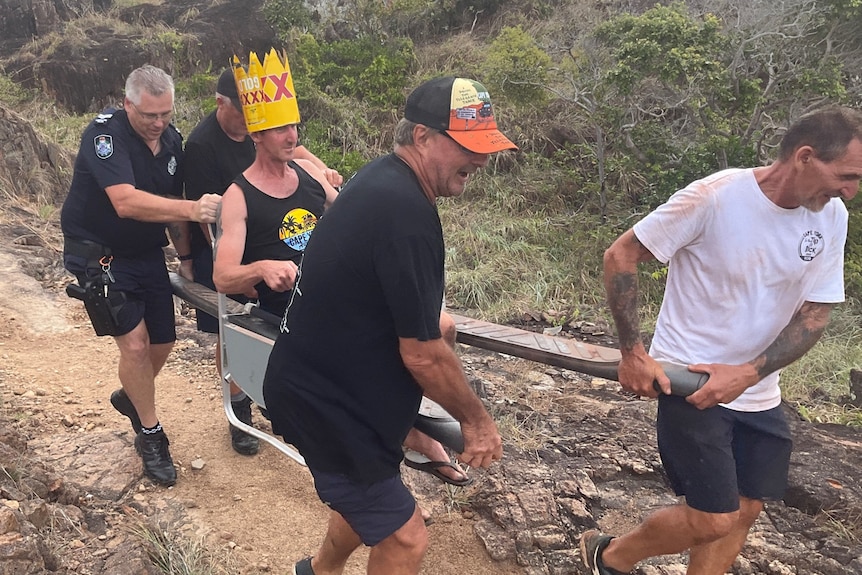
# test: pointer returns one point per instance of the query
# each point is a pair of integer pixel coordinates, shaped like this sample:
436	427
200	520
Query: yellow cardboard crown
266	92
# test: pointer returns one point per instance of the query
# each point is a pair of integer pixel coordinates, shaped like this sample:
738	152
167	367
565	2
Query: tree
517	67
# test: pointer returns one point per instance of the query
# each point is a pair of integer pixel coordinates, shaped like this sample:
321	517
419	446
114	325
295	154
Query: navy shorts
373	511
716	455
149	296
202	268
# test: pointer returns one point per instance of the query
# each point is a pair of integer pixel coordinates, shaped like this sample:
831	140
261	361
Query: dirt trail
264	507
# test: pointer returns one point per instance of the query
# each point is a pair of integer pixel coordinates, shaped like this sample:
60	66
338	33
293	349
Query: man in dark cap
218	149
361	340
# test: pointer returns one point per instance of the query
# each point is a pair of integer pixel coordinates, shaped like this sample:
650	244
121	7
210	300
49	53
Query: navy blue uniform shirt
112	153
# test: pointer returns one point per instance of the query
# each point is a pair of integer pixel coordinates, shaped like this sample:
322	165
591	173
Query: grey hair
234	101
154	81
404	132
829	131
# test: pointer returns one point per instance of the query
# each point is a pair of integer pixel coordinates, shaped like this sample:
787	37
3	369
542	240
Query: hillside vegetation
614	104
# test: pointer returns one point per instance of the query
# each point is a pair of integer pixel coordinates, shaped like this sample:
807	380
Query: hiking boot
124	405
158	465
593	543
242	442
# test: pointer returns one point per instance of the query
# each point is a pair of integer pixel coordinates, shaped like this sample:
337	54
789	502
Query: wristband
185	258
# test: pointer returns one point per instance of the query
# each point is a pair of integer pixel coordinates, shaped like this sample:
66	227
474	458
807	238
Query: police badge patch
104	146
172	165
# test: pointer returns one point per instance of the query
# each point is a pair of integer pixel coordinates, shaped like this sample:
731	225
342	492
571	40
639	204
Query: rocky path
579	453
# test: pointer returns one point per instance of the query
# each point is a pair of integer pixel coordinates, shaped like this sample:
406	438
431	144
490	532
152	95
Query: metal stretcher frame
247	341
245	345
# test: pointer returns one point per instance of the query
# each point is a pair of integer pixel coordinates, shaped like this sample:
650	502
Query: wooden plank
201	297
562	352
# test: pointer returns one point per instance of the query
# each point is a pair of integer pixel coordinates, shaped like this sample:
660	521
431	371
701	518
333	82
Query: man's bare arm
130	202
800	335
727	382
179	233
637	370
232	276
438	371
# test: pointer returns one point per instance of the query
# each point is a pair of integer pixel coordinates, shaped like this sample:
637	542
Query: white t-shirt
739	268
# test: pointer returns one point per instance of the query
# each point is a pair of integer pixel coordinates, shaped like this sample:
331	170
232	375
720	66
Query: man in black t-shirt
126	188
218	149
361	340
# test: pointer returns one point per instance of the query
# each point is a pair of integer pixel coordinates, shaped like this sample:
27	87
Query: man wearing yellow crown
218	149
255	260
270	210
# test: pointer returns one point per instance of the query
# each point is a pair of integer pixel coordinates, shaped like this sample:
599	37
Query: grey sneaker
242	442
593	543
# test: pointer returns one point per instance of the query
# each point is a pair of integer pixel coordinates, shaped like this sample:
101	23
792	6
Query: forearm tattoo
176	231
798	337
623	301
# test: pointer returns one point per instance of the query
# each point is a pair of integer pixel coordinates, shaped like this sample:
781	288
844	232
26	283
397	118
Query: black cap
227	85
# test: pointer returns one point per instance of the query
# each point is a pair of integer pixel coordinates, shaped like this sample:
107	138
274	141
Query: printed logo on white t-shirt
811	245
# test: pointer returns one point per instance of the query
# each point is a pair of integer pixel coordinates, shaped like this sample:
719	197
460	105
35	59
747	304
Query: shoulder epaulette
105	115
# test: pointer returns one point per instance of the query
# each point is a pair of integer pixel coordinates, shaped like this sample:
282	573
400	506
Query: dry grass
818	383
174	554
846	524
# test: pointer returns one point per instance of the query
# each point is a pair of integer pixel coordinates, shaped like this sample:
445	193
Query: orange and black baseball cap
461	108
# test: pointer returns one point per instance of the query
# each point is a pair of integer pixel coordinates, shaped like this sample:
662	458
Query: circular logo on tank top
296	228
812	244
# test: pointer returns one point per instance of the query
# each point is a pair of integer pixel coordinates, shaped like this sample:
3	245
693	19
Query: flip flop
433	468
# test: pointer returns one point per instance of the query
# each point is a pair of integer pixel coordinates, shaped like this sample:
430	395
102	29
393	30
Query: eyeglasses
150	117
460	147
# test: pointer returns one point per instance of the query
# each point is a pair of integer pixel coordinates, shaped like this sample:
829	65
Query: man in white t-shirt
755	264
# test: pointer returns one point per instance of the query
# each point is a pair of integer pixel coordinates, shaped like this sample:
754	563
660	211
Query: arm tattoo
800	335
175	230
622	288
623	300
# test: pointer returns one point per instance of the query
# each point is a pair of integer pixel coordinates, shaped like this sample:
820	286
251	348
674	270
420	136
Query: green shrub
517	68
13	94
287	15
367	68
853	254
316	136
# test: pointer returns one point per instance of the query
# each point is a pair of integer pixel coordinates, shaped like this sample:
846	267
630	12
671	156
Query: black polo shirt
212	161
112	153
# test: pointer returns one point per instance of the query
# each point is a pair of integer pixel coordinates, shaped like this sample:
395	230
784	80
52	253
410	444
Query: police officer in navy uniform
126	189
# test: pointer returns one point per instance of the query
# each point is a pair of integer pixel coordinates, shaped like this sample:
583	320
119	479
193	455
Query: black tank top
279	228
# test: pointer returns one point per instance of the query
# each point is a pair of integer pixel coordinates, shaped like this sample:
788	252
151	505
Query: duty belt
85	249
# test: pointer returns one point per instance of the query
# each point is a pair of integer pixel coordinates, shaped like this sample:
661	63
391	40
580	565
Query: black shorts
202	268
149	296
716	455
373	511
